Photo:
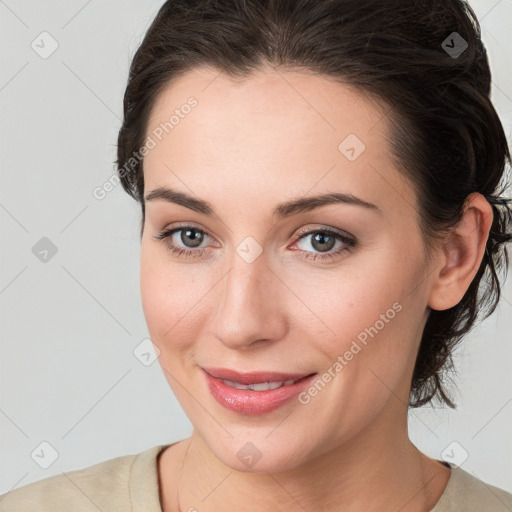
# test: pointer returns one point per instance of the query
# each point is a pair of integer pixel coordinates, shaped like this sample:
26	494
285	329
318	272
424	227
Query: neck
377	466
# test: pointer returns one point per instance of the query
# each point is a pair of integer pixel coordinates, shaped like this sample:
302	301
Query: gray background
68	374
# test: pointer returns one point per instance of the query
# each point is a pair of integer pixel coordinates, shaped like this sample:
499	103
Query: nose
248	311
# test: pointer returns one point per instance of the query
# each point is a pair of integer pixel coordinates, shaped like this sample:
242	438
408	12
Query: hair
444	133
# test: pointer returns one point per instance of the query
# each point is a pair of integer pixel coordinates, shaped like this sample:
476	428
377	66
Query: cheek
365	362
163	309
162	305
367	330
370	320
172	298
155	299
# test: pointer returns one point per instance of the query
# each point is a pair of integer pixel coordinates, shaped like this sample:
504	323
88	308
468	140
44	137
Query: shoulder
468	493
102	486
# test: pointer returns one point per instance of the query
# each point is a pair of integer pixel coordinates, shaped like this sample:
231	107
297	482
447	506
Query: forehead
276	133
270	97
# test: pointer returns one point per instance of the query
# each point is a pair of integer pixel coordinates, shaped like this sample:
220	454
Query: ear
462	253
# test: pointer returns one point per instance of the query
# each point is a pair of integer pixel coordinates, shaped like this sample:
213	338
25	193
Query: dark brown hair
445	134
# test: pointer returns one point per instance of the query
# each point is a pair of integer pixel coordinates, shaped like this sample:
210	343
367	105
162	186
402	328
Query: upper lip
253	377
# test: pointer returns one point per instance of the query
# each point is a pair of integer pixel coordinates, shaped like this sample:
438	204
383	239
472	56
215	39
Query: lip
250	402
253	377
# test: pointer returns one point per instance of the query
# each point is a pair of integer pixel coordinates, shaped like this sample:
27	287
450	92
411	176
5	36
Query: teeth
260	386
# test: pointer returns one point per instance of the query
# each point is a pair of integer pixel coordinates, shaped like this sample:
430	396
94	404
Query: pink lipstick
254	392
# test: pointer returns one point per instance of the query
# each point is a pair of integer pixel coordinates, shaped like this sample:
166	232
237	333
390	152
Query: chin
251	453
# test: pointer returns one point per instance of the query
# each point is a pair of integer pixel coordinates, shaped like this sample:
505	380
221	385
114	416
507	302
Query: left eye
323	241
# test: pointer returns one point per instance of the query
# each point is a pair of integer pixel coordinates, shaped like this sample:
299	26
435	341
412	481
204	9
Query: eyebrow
283	210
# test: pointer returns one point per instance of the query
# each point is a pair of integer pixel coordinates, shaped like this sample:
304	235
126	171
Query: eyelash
349	242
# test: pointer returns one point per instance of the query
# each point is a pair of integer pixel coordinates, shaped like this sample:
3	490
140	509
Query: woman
320	184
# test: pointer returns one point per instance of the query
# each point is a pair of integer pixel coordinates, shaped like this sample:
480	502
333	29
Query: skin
246	147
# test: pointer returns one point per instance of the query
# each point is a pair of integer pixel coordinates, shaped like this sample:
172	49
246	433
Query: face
338	289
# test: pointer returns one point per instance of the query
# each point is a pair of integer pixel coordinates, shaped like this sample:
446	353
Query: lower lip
254	402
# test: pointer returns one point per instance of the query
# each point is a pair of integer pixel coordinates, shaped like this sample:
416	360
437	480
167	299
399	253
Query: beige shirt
130	483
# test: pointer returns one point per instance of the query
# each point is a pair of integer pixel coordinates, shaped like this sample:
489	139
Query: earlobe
462	255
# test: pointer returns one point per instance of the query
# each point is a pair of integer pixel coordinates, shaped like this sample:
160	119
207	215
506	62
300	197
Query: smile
262	392
261	386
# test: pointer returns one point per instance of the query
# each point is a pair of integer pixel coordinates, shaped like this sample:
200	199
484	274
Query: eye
324	240
189	235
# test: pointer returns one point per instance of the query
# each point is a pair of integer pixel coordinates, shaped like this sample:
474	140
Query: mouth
255	378
259	386
254	392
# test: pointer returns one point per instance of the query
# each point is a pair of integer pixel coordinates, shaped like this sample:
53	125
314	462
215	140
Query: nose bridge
244	313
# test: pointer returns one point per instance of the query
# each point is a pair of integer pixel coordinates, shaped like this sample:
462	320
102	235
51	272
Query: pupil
196	240
321	237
